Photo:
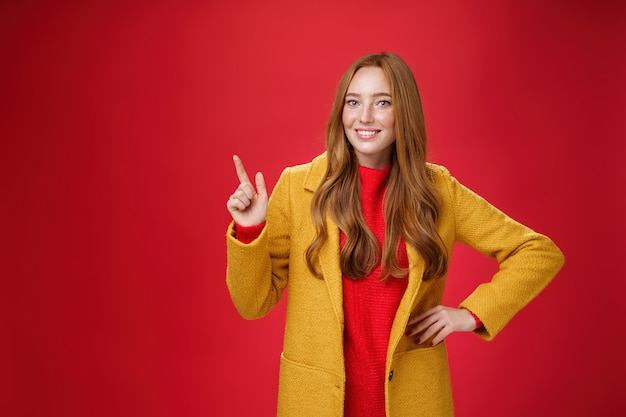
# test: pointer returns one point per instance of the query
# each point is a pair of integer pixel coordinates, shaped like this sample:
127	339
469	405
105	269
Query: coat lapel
329	259
329	253
416	271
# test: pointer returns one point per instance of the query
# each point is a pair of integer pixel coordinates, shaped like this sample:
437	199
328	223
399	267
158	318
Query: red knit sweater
369	307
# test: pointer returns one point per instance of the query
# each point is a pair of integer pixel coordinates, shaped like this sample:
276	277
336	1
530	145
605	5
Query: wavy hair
412	202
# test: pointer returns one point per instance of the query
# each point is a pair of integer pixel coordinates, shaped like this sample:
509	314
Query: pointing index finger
241	171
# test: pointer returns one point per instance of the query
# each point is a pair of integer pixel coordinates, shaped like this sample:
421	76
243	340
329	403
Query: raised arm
257	269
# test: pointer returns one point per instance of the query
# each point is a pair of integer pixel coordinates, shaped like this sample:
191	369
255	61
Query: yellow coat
312	377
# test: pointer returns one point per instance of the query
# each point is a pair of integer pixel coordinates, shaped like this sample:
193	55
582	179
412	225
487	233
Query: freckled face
368	117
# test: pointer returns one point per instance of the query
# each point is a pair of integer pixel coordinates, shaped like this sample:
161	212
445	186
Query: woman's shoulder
309	174
437	172
317	163
443	180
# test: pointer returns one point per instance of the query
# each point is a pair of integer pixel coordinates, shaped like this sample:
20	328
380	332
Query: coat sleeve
257	272
527	260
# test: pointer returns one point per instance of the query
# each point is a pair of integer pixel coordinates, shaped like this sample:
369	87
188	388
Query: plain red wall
117	128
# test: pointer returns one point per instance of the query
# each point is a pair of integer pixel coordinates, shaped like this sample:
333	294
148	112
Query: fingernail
432	344
417	341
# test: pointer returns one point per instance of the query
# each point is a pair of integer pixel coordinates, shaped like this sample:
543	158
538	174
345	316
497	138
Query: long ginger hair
411	205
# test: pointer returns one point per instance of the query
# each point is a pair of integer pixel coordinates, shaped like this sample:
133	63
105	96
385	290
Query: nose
366	115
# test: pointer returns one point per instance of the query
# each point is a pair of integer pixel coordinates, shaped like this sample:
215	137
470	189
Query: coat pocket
306	390
421	384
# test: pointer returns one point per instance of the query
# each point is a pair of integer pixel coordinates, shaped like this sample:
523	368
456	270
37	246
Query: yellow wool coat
312	377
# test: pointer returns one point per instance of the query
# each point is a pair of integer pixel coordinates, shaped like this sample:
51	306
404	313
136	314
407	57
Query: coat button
390	375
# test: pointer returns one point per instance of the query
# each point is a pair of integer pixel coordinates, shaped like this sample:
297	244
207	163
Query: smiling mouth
367	133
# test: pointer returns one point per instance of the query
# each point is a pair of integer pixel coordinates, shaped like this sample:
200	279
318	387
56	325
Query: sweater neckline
374	171
373	181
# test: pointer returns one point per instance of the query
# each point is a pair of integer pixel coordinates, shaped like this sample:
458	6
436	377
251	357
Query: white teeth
366	132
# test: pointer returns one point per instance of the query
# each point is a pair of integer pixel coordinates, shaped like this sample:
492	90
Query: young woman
363	236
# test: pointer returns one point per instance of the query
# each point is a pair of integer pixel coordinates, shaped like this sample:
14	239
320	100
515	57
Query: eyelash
384	103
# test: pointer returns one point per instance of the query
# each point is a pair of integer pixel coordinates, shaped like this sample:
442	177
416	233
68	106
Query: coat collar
315	174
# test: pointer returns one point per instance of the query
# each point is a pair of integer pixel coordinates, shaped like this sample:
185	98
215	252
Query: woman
363	236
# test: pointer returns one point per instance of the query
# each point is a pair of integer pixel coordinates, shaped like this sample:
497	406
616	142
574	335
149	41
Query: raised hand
247	205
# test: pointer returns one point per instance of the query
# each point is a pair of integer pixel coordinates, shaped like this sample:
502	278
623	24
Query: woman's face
368	117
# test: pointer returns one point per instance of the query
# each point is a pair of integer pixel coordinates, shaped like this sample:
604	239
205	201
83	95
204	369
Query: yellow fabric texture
312	369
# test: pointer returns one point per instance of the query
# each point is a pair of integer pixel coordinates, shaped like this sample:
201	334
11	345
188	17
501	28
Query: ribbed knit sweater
369	306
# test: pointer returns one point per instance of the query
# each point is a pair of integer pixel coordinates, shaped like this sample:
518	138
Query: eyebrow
373	95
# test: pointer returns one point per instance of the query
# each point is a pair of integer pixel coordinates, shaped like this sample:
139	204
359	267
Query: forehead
369	80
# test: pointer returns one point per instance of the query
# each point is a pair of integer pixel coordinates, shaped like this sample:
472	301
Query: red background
118	124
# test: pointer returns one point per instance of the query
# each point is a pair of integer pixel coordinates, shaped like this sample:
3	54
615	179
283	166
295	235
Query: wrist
477	321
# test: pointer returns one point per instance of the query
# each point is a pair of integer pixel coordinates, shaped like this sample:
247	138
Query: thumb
260	185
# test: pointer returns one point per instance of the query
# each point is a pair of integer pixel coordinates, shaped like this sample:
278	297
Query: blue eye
384	103
351	102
